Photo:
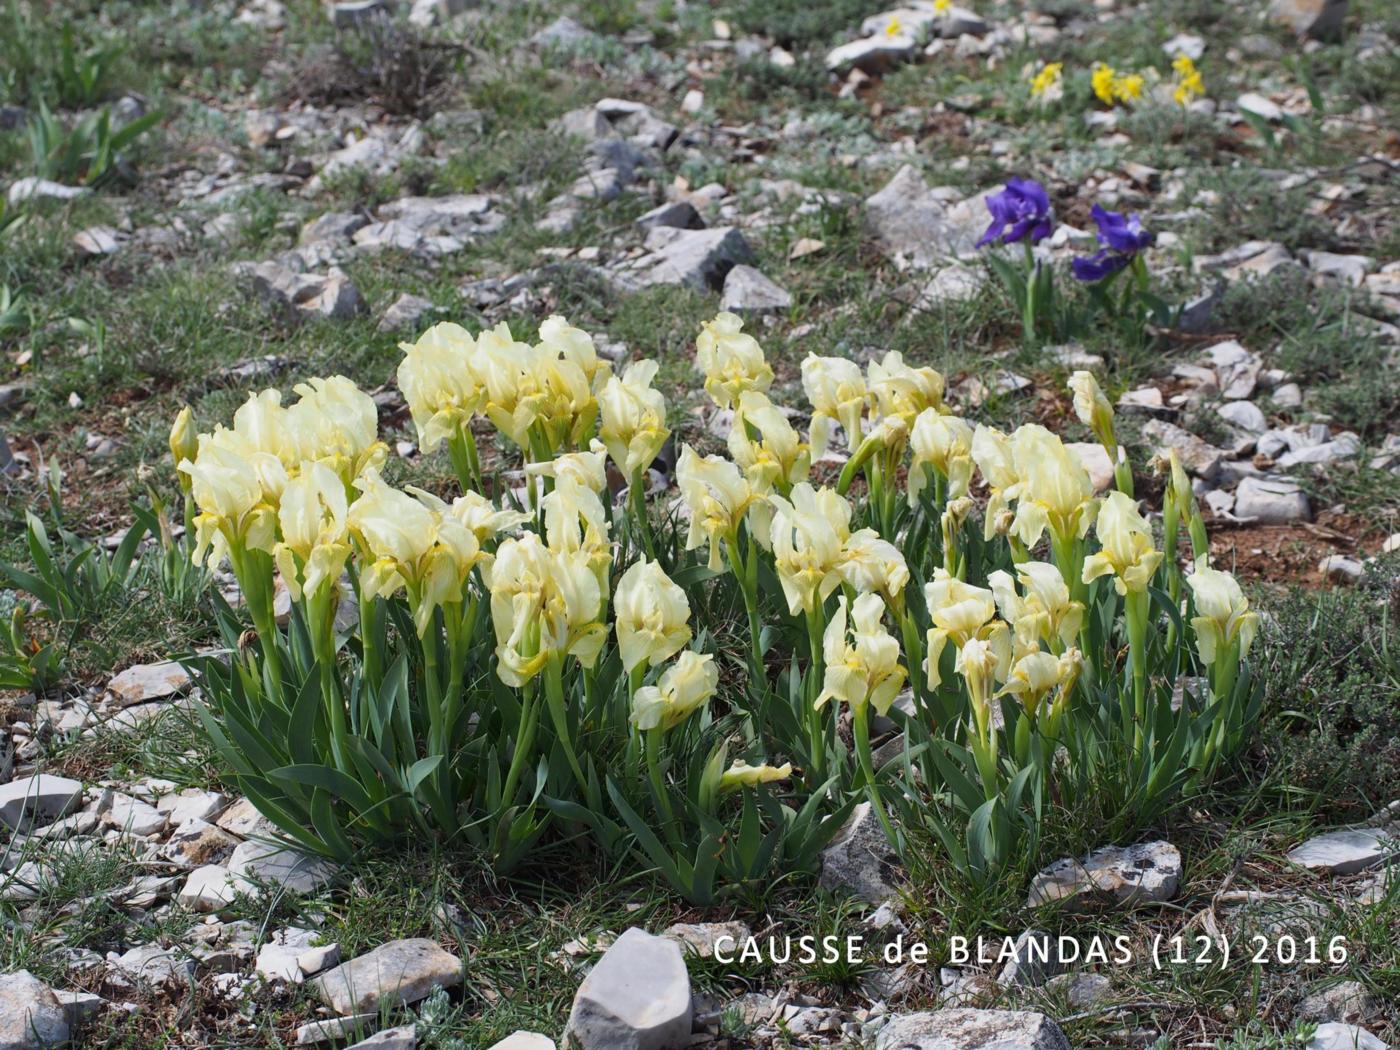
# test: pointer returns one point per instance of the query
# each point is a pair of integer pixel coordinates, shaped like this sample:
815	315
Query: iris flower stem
636	492
815	673
1029	312
1135	610
554	697
860	724
654	738
465	459
524	743
255	576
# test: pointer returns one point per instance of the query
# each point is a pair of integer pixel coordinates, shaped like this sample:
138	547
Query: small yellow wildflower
942	6
1111	87
1047	79
893	28
1102	81
1189	84
1128	88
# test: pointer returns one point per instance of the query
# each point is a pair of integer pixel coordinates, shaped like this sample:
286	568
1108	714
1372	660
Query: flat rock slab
146	682
39	799
151	964
750	293
968	1029
262	862
524	1041
1345	852
637	997
1272	501
924	226
859	858
209	888
699	259
399	973
704	938
31	1015
1334	1036
1145	873
404	1037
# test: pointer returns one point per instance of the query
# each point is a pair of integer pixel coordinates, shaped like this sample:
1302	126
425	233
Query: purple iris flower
1019	211
1122	237
1098	266
1122	233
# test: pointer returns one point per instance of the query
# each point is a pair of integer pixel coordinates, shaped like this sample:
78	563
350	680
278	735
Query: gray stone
1344	852
872	54
350	13
585	123
748	293
922	226
255	863
34	188
699	259
1271	501
1333	1036
150	964
1146	400
1081	990
209	888
1244	414
1347	1002
952	284
564	33
1350	269
134	816
1259	106
524	1041
333	226
97	241
1319	19
1236	368
407	311
680	214
456	213
860	859
192	804
1144	873
334	1028
332	296
39	800
637	997
1198	457
1288	395
292	955
243	819
79	1007
1341	569
702	938
31	1016
968	1029
404	1037
1035	959
197	844
397	973
1344	446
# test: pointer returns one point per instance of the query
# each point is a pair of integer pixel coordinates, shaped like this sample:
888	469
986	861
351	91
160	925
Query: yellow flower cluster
1112	87
1189	84
302	484
1046	83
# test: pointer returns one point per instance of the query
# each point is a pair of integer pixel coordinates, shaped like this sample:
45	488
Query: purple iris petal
1122	233
1099	265
1020	210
